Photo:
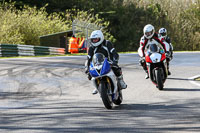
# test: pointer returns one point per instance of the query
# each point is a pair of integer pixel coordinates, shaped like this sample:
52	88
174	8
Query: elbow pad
115	54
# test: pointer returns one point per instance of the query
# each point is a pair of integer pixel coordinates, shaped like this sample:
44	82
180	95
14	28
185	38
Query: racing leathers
168	40
170	53
107	49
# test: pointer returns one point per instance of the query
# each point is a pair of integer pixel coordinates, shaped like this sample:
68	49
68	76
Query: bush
25	25
182	20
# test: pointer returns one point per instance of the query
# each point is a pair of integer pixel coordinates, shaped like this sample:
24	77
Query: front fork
111	92
97	81
151	72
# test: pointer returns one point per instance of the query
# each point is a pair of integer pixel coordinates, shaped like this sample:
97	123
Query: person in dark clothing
100	45
164	37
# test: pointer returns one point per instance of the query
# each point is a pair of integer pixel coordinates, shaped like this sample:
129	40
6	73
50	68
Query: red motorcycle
156	65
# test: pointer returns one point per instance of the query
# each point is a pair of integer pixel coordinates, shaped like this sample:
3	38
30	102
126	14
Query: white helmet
96	38
163	32
148	31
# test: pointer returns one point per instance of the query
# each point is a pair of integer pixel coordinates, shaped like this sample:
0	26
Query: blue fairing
93	71
106	67
104	70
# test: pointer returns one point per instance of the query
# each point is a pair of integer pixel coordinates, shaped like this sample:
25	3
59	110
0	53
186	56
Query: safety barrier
26	50
7	50
56	51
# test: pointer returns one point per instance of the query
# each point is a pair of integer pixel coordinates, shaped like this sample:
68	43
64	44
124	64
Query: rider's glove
86	70
89	76
167	54
171	57
142	60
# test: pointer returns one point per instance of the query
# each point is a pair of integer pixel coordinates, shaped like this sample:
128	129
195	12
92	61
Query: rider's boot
147	75
145	69
121	82
169	73
95	91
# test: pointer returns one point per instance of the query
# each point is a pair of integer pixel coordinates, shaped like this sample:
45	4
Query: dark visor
163	34
95	40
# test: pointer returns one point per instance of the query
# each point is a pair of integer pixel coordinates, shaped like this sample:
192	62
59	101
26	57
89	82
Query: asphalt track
52	94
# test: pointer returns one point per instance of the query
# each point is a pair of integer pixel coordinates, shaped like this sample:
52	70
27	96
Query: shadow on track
71	116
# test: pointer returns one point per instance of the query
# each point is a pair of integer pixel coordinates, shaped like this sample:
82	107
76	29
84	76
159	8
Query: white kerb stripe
194	82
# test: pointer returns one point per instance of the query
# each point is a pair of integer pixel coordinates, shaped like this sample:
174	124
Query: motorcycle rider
100	45
163	37
149	37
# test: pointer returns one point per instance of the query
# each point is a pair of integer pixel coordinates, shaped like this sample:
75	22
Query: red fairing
148	59
163	57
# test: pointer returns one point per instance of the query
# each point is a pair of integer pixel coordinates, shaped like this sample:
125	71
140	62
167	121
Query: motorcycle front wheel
105	95
159	79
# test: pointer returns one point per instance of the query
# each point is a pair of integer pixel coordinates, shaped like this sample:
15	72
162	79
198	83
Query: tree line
123	19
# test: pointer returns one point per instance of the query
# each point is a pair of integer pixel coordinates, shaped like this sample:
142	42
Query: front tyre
105	95
159	79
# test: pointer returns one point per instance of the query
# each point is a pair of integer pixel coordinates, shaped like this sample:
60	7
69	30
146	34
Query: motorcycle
105	81
156	65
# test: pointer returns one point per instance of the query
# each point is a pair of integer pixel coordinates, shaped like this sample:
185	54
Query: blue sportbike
105	81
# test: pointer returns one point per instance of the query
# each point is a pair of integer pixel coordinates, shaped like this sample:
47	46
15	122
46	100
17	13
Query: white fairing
112	77
98	67
155	57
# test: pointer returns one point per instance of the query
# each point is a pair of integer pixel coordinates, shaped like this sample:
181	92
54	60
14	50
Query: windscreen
153	48
98	59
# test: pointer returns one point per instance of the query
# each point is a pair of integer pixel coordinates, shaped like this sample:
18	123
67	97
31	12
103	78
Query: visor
148	33
163	34
95	40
